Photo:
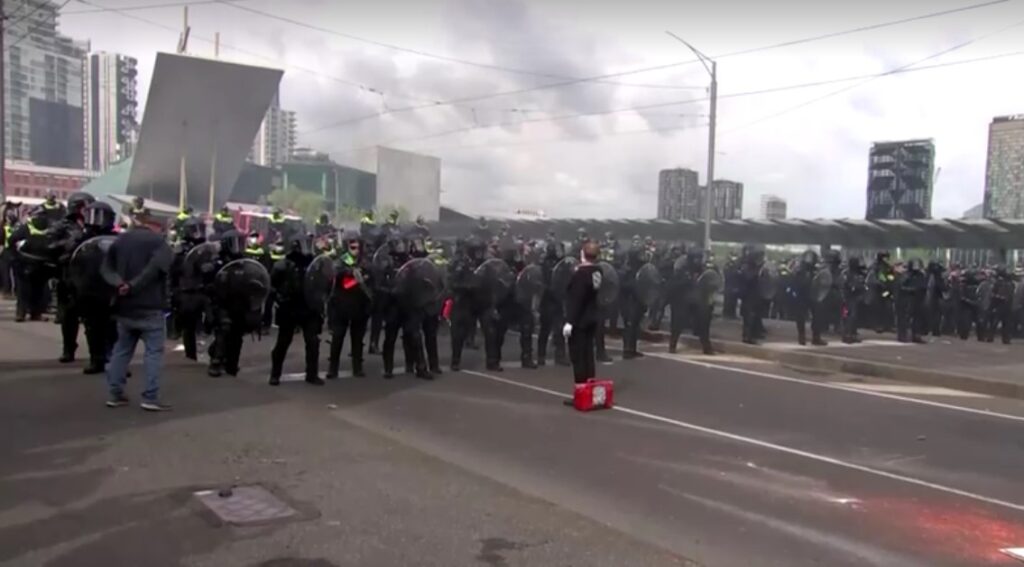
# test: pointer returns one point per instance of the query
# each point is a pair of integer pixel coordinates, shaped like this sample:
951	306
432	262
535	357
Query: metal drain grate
245	505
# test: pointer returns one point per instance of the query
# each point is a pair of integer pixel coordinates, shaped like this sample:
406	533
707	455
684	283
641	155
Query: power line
139	7
896	71
354	84
900	69
445	58
661	67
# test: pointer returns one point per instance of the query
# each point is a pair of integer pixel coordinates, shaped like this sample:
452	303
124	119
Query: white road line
772	446
833	386
914	390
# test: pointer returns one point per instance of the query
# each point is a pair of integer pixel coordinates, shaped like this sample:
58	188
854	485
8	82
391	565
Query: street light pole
712	68
711	157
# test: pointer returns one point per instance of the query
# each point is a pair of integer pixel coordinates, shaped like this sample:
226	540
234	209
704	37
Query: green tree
307	205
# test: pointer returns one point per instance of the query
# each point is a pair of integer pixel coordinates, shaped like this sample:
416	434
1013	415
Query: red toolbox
592	395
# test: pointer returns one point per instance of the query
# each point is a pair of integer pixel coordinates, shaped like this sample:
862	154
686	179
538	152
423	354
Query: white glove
567	330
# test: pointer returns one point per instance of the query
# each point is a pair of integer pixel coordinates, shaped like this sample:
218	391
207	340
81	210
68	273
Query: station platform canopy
855	233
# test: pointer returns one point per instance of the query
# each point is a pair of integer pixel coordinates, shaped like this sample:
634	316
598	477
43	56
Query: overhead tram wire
767	90
382	94
141	7
445	58
524	90
903	68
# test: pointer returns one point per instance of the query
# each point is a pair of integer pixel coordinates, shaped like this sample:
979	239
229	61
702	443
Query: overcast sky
606	164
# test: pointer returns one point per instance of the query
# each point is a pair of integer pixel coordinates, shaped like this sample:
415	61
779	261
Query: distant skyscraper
726	203
275	141
111	110
773	207
900	177
1004	175
677	194
44	87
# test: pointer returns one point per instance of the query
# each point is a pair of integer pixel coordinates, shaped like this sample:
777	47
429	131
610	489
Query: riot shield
198	265
381	263
648	284
768	281
679	270
530	286
1018	296
821	284
561	274
872	277
84	271
985	292
709	284
241	288
608	293
419	284
318	282
496	280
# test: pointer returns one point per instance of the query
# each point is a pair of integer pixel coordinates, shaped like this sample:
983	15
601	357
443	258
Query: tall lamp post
712	68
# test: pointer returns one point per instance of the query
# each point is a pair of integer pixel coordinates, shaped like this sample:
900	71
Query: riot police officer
551	309
349	307
832	306
751	296
883	285
294	311
33	265
183	215
970	311
223	221
1001	307
8	223
691	292
854	288
91	302
910	302
469	306
188	294
229	326
277	228
66	236
632	304
731	292
936	306
53	209
805	299
323	226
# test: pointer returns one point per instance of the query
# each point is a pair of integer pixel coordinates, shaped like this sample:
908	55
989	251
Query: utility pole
712	68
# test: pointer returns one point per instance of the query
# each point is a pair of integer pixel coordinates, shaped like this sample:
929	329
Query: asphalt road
720	462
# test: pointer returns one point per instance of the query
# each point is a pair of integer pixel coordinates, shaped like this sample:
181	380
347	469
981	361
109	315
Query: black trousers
350	319
378	313
581	352
409	324
464	318
883	314
431	325
6	271
521	319
751	310
969	315
800	310
192	307
69	316
729	300
632	315
31	287
910	317
550	330
696	315
311	325
226	348
1000	315
850	315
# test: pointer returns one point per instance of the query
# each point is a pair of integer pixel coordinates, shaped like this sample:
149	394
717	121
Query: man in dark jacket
581	314
137	265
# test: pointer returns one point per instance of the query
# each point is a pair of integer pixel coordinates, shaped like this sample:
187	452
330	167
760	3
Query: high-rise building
726	201
111	109
275	141
44	87
1004	174
677	194
773	207
900	179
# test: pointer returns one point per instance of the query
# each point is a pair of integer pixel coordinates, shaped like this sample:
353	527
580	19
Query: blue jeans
151	329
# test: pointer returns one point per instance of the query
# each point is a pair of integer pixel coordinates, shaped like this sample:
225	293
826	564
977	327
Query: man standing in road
137	266
582	312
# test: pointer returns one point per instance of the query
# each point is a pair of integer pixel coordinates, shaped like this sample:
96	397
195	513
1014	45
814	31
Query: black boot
66	357
94	367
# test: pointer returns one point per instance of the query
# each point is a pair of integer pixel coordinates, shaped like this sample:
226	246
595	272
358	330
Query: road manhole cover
245	505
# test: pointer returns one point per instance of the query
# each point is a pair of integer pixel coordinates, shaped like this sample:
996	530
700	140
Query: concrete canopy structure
201	117
925	233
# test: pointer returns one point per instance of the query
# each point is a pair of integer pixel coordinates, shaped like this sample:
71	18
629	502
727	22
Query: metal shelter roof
857	233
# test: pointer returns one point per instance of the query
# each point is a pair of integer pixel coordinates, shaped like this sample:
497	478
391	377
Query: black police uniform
884	286
632	306
803	302
294	312
470	307
1001	309
910	303
33	266
349	306
752	302
688	304
582	312
552	310
222	222
854	289
970	312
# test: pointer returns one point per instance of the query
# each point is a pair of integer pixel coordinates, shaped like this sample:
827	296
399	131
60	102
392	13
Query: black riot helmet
99	216
39	218
475	248
695	258
855	264
301	244
191	230
418	248
833	258
809	258
935	267
399	247
1001	271
753	254
915	265
78	201
883	257
232	243
324	219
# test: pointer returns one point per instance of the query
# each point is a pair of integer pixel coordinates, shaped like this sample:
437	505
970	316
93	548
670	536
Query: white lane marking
773	446
837	345
1014	552
833	386
912	390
